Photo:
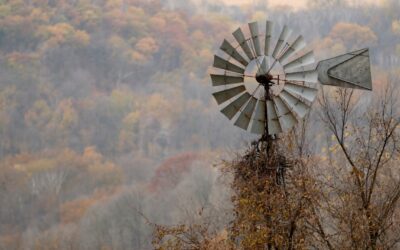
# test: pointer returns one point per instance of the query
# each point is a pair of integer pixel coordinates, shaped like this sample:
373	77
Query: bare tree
362	189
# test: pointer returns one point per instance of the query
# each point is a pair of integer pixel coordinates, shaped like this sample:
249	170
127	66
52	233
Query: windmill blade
238	34
224	95
245	116
268	30
286	118
305	76
258	126
218	80
296	46
231	51
274	126
253	27
302	91
295	104
280	43
302	61
263	69
235	106
223	64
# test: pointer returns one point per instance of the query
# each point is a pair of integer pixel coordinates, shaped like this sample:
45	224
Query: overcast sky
297	4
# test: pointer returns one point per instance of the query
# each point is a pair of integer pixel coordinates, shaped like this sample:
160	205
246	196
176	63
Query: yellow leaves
22	62
160	108
4	10
354	34
39	114
346	36
334	148
72	211
138	51
13	21
59	31
68	116
138	57
396	27
106	174
63	119
131	119
205	54
111	4
357	172
38	165
89	15
259	16
144	50
128	136
157	23
63	33
135	13
38	15
82	38
90	155
122	99
116	42
147	45
157	104
398	49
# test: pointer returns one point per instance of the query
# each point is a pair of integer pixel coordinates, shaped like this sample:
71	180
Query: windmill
266	84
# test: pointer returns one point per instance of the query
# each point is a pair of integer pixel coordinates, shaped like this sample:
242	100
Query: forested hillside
106	116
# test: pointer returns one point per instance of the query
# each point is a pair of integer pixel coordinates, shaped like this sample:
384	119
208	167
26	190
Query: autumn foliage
106	119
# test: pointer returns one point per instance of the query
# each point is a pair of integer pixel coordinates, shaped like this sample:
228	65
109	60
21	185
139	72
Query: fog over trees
109	137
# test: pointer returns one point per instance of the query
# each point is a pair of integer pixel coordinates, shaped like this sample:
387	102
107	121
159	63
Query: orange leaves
73	211
266	213
22	61
63	33
147	45
157	23
39	16
144	50
139	52
91	156
81	37
105	173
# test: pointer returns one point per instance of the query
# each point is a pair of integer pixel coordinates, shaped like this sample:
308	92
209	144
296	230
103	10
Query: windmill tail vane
350	70
268	89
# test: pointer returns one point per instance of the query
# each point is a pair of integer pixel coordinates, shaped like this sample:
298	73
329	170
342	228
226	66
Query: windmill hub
264	79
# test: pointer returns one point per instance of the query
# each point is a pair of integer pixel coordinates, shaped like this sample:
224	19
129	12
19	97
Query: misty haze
110	137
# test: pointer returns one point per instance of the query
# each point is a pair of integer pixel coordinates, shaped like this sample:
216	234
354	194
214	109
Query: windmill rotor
266	81
264	89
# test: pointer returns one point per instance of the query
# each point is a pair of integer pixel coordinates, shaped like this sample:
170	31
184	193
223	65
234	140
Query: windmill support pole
271	162
267	138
